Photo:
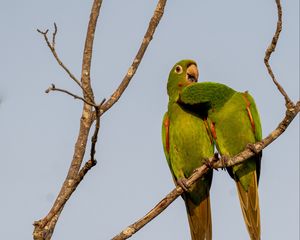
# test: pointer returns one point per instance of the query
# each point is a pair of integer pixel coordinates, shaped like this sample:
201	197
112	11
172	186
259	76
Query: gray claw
224	160
209	164
182	182
252	147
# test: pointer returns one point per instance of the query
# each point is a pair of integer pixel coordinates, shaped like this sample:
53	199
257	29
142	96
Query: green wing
210	94
233	115
236	125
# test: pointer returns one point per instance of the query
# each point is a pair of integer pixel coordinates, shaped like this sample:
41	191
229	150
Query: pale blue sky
226	38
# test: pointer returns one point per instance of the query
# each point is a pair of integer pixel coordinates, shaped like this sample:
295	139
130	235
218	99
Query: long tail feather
199	219
249	201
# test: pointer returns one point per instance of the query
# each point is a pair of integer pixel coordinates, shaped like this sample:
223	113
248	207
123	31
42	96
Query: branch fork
51	46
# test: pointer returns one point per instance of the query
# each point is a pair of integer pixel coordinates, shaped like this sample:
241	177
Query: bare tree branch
291	112
158	13
54	35
44	228
54	88
271	49
53	50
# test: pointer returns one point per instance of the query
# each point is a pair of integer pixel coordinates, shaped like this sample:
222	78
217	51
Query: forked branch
271	49
54	88
51	46
91	112
44	228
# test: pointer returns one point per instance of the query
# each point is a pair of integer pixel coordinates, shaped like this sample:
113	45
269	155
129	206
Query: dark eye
178	69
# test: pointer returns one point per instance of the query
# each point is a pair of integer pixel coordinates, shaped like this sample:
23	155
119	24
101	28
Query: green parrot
234	124
186	145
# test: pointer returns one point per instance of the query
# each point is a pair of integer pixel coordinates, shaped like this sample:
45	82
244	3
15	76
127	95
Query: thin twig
271	49
157	15
96	131
54	35
53	50
54	88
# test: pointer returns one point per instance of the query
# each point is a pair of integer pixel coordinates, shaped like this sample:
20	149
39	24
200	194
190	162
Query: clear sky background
38	131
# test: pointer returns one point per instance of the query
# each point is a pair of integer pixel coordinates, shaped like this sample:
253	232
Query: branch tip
55	27
54	35
51	46
54	88
100	105
271	48
41	32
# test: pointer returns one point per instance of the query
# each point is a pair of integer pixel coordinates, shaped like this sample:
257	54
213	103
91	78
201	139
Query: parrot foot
224	161
210	164
182	182
252	148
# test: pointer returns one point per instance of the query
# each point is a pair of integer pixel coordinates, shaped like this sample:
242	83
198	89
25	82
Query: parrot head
184	73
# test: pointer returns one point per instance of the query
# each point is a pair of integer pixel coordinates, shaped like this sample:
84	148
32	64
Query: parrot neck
173	93
174	109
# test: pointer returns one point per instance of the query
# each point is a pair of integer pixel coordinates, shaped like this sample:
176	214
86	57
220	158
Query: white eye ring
178	69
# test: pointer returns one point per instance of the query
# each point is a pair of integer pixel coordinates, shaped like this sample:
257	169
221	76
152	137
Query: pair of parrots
201	116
